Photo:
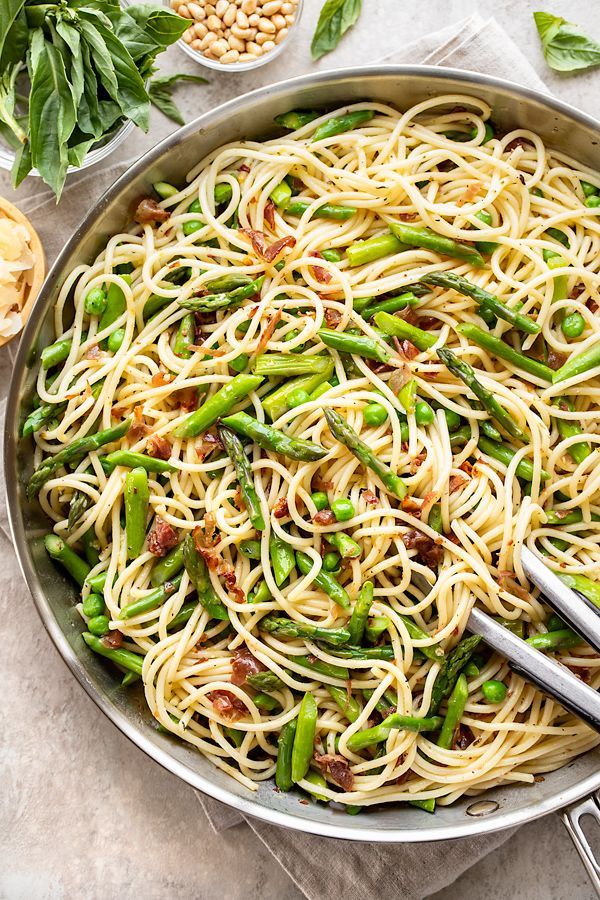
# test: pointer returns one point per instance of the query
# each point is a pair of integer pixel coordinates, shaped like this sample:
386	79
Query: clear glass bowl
97	153
199	57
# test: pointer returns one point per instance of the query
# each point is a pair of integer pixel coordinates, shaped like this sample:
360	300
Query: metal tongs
547	674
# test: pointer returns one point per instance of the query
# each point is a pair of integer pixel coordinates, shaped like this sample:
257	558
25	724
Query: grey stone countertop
84	814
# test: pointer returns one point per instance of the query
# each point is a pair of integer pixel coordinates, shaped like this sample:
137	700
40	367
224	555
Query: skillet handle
571	817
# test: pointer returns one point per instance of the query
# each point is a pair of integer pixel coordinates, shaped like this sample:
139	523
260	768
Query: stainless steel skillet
251	116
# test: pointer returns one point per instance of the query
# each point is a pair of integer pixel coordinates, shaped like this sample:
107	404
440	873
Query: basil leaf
162	25
161	89
336	17
52	116
566	48
12	130
78	148
10	11
22	165
71	40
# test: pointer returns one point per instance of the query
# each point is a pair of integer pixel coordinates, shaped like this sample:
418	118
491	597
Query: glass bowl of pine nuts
237	35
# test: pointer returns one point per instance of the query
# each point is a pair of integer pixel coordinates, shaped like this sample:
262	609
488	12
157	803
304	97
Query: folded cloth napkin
320	866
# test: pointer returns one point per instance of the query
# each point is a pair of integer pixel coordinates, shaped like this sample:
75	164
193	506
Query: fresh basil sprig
161	90
87	63
336	17
566	48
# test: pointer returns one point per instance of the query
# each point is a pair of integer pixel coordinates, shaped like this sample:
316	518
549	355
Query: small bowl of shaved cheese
22	270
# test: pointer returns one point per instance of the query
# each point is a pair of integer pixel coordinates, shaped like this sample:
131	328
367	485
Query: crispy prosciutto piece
227	705
158	447
428	551
243	664
268	252
149	212
338	768
162	538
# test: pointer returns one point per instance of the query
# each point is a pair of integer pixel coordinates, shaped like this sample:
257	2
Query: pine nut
214	23
266	26
290	19
229	16
261	38
208	54
200	30
253	20
281	35
236	44
210	9
247	57
251	47
219	48
245	34
194	9
188	36
231	56
249	6
196	44
268	46
208	39
221	8
287	8
278	21
271	7
241	19
184	11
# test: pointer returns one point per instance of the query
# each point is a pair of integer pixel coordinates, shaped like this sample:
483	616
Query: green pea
239	363
331	561
342	509
115	340
375	414
453	420
93	606
471	670
194	206
493	691
573	325
593	201
589	189
424	414
98	625
191	227
320	499
297	398
95	302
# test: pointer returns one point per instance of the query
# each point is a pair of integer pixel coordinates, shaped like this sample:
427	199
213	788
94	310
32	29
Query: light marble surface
84	814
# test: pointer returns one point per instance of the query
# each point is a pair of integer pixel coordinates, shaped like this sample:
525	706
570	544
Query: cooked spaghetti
325	392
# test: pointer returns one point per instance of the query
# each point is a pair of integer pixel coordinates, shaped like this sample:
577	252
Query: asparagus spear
285	744
225	300
186	335
198	574
228	282
344	544
464	371
584	585
218	405
38	418
296	118
265	681
346	435
136	495
152	600
346	702
270	438
77	567
363	252
183	616
504	454
568	428
74	451
276	403
340	124
397	327
435	653
135	460
391	305
451	668
357	344
456	707
168	567
283	627
302	751
381	732
323	668
412	236
324	580
235	451
80	502
384	651
499	348
462	286
360	613
123	658
554	640
290	364
299	205
283	559
579	364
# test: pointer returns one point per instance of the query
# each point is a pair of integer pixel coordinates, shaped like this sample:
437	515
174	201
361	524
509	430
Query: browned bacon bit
268	332
399	378
113	639
507	582
243	663
370	498
428	551
467	467
158	447
162	538
470	193
408	217
227	573
517	142
319	484
463	738
138	429
456	482
186	398
407	315
244	168
592	305
427	322
406	349
93	352
321	274
149	212
555	360
264	250
324	517
332	317
160	379
281	509
209	443
412	506
117	412
270	214
576	291
339	769
227	705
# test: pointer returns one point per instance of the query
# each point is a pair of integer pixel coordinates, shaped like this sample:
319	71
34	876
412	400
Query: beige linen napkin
320	867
